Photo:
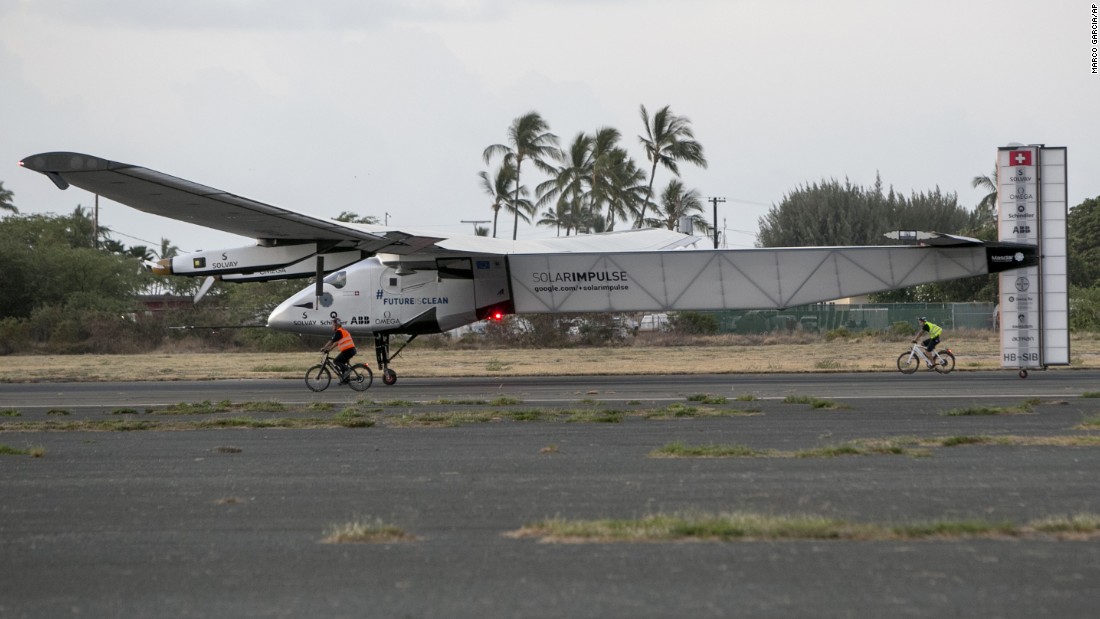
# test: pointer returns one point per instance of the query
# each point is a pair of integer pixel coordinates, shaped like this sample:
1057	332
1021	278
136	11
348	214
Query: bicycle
359	376
909	362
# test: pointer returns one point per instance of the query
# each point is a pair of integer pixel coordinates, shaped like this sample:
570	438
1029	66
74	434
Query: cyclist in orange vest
340	339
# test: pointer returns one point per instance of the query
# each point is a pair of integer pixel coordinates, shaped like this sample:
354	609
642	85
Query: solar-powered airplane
383	281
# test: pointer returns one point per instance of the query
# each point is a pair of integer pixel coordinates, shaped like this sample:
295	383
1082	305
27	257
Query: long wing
161	194
168	196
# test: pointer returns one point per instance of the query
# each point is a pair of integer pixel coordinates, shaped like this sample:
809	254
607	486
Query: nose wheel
382	354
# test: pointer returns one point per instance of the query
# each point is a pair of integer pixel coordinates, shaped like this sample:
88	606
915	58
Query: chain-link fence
858	317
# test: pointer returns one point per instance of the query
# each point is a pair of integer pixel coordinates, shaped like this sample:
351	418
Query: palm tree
668	140
167	249
499	187
625	187
140	252
677	203
568	186
6	200
989	183
528	138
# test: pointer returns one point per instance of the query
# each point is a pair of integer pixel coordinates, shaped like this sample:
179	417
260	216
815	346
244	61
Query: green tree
669	140
46	264
832	213
568	188
6	197
499	187
167	250
1083	244
529	137
354	218
989	184
676	202
835	213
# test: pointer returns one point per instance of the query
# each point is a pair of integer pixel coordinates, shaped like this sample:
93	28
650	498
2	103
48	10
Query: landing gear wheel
318	378
389	377
947	362
1023	373
360	377
908	363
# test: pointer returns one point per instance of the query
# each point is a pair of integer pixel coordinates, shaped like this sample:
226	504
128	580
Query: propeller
204	288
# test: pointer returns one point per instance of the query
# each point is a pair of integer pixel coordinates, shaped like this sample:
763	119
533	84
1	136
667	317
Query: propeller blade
204	288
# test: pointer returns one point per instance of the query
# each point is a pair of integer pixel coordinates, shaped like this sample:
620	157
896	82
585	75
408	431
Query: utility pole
714	202
95	223
386	220
475	222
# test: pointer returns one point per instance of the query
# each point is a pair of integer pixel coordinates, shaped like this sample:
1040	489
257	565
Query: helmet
923	319
336	322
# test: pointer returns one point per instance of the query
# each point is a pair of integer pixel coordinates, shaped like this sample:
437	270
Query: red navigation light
498	315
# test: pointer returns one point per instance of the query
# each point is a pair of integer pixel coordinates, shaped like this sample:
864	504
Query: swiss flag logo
1019	157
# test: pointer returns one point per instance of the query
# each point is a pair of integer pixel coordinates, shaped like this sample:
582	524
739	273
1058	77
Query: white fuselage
370	297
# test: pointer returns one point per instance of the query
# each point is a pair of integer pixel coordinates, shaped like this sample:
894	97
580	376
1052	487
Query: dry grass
706	356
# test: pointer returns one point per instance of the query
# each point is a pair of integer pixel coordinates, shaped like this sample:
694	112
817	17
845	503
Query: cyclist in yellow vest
932	338
341	339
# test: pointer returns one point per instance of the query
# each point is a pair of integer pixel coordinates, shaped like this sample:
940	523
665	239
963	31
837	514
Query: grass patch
679	449
594	416
373	532
1089	423
1023	409
1076	524
34	452
744	526
706	398
496	365
1091	394
206	407
813	402
270	406
746	397
276	368
505	401
10	412
350	418
677	409
531	415
57	411
442	420
903	446
955	441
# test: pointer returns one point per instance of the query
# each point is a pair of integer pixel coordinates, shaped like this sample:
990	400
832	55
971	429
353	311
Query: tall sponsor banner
1053	270
1033	300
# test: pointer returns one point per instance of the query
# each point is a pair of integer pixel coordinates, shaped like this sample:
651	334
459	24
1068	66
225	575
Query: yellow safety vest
934	330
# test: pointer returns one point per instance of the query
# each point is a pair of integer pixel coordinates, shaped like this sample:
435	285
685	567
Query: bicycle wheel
318	378
947	362
360	377
908	363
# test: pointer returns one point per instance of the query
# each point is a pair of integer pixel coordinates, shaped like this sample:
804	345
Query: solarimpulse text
549	281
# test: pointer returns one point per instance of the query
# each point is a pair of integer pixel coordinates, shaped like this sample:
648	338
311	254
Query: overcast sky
385	106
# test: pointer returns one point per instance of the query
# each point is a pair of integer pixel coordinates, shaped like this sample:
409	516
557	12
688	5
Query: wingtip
60	161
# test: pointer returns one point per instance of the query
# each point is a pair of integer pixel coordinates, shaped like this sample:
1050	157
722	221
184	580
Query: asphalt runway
230	522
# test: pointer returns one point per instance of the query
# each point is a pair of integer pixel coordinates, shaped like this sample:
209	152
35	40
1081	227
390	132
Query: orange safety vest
344	342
